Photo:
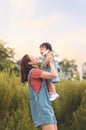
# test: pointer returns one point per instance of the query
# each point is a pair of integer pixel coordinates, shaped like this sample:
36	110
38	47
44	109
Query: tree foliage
6	56
84	71
69	69
5	52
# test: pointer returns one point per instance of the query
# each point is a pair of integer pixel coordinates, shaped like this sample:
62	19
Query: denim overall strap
43	81
30	88
34	94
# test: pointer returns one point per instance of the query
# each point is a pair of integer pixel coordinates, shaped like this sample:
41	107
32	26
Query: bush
79	117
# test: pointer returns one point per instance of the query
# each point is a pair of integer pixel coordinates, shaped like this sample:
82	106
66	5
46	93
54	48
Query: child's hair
25	68
46	45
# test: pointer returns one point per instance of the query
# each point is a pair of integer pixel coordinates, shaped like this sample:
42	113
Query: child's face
43	50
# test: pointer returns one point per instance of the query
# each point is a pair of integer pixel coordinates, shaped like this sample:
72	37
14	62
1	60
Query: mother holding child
41	109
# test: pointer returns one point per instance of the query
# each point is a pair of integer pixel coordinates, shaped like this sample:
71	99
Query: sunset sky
25	24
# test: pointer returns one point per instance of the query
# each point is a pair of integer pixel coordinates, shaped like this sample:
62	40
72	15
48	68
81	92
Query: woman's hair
46	45
25	68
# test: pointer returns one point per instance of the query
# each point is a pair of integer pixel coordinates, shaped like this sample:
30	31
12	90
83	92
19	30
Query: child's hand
44	64
48	60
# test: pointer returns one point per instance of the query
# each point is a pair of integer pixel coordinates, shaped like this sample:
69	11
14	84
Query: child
46	52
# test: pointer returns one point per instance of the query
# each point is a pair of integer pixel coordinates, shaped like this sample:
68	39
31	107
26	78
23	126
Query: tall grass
70	107
14	104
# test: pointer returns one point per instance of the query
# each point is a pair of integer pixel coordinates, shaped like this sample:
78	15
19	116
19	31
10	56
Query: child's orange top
49	53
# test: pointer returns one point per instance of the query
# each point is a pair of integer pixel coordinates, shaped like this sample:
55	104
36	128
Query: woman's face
34	61
32	58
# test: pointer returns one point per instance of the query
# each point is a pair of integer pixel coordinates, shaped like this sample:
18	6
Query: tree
6	56
84	71
69	69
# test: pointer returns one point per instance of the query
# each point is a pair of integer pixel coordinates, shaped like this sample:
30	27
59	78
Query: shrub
14	104
71	96
79	117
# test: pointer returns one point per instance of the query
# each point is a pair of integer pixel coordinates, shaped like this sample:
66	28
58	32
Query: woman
41	109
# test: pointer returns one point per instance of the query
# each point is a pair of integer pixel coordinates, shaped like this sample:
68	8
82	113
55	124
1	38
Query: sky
25	24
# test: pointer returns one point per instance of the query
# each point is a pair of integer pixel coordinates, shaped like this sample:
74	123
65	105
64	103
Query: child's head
44	47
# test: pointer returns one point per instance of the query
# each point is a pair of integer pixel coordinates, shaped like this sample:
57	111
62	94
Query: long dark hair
25	68
46	45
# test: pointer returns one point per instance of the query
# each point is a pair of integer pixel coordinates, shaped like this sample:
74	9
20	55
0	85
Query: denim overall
47	68
40	105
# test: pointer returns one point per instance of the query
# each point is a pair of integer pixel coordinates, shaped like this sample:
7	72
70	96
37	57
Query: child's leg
51	87
52	91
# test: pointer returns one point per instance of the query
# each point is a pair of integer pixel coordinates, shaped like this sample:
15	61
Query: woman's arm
48	57
51	74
